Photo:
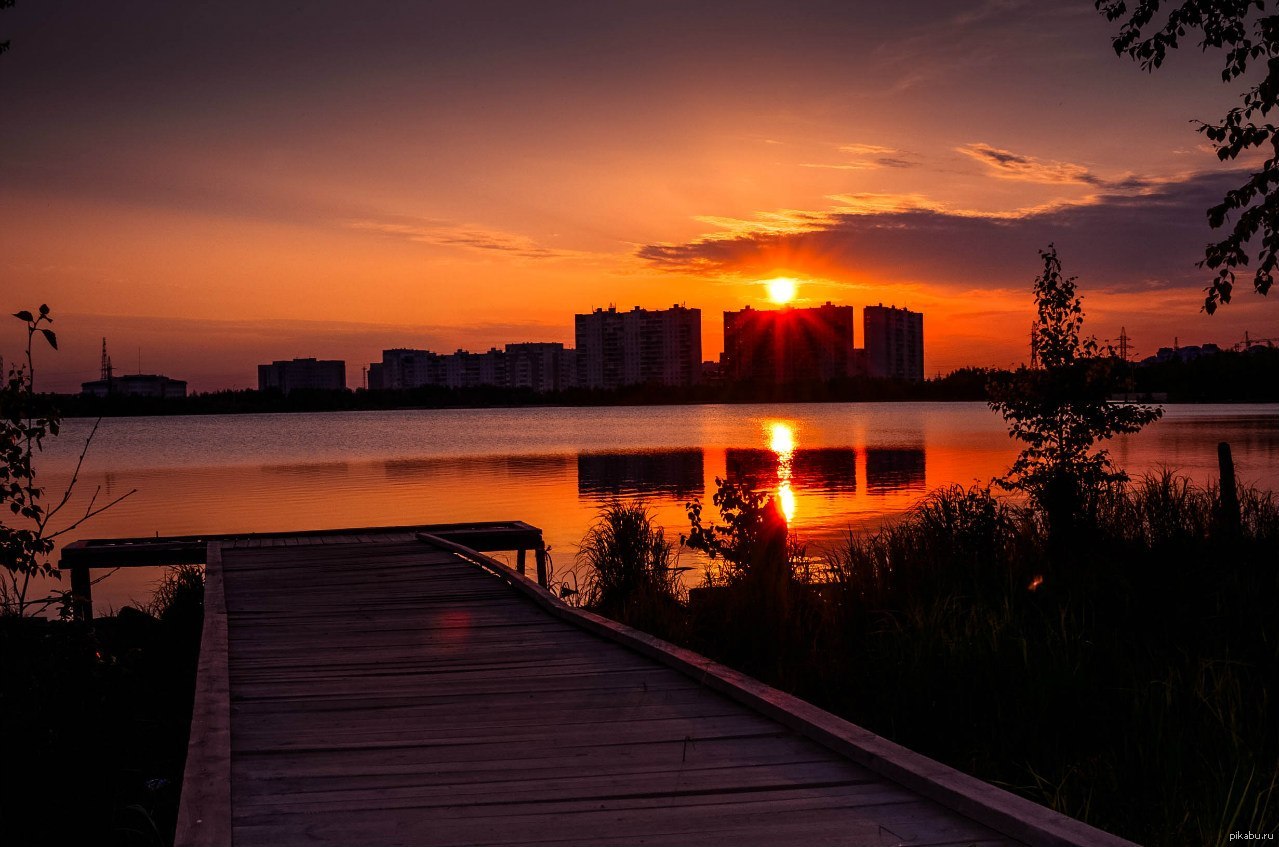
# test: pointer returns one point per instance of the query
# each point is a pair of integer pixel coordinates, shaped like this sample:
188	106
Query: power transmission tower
107	370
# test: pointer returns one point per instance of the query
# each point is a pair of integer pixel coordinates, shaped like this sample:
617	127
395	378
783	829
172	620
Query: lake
836	466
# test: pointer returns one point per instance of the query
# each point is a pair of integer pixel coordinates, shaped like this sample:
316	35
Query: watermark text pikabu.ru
1252	836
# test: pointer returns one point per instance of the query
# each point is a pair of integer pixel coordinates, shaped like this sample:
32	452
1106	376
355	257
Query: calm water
836	466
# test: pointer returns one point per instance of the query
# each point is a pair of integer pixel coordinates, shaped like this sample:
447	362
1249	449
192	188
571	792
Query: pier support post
81	593
1229	517
520	558
541	565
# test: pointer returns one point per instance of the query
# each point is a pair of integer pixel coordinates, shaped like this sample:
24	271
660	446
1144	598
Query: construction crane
1249	342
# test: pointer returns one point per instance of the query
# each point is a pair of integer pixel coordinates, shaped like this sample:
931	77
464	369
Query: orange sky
215	187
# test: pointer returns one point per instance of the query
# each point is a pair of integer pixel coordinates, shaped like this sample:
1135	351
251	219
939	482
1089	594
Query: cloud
447	234
1116	241
865	157
1010	165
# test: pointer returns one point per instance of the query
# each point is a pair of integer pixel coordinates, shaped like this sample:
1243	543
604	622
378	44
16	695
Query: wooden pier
397	687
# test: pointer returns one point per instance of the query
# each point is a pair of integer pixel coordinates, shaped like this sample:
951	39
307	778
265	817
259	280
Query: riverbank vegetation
1105	647
1130	681
96	716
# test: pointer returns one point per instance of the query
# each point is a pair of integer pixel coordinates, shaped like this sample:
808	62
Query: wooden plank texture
392	692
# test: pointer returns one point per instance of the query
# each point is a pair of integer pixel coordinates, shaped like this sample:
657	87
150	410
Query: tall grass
1132	681
631	572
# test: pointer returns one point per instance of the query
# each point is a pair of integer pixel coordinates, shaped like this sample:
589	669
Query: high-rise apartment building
894	340
536	365
789	345
302	374
539	366
403	368
662	346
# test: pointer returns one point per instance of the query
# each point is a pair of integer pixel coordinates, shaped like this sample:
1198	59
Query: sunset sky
215	185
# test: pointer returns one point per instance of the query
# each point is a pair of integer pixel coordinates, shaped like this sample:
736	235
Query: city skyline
542	366
224	187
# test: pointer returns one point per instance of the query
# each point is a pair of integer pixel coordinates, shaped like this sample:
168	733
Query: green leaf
24	315
51	338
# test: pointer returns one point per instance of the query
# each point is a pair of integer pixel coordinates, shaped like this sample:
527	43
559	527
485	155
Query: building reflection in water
894	469
831	469
459	467
789	471
675	473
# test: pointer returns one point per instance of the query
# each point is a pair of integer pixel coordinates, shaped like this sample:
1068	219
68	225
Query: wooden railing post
520	558
541	564
81	593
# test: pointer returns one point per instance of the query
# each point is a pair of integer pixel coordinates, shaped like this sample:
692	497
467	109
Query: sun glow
781	289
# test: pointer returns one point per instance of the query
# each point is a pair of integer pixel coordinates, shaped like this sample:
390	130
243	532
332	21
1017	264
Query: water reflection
846	465
826	469
781	440
312	470
454	467
677	473
894	469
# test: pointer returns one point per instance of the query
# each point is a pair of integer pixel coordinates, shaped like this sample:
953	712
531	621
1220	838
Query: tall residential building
539	366
894	340
464	369
302	374
789	345
662	346
403	368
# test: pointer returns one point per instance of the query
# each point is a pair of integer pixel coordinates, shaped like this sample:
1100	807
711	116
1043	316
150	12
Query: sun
781	289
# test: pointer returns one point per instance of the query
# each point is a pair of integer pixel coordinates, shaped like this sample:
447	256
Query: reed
1131	683
630	570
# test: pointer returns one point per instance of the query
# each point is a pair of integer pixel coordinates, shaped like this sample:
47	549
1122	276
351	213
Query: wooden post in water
1229	517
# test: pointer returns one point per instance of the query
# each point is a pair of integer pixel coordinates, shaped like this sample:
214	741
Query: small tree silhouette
26	419
1061	409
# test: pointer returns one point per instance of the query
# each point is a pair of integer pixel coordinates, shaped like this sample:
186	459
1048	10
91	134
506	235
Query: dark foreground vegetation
1129	680
96	717
1228	377
1107	648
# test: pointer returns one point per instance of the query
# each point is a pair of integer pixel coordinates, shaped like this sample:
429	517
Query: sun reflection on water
781	440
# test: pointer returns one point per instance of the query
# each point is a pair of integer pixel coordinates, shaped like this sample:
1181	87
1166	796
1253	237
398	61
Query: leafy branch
1248	42
26	419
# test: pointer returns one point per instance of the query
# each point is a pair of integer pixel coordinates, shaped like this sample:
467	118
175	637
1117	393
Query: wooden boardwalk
385	690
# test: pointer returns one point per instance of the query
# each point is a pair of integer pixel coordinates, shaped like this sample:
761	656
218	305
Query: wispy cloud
1017	166
448	234
865	157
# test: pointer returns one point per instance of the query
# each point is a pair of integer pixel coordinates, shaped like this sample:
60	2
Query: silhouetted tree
1247	34
1061	409
27	418
4	45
